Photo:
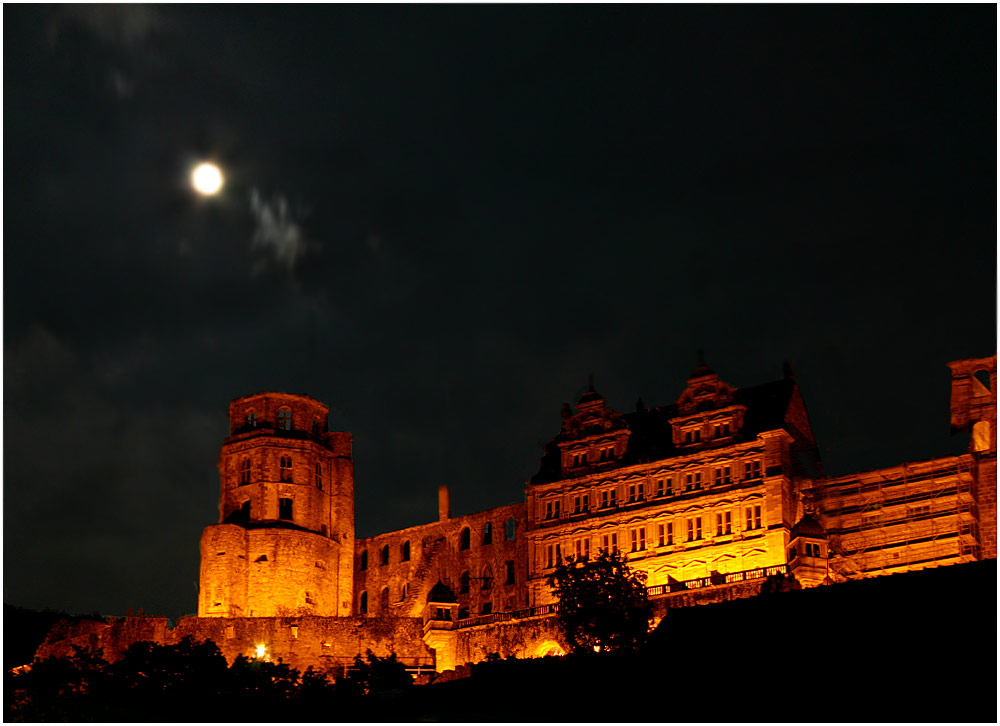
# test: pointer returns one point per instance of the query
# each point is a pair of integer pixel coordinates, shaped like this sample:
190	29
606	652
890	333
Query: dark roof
651	438
808	527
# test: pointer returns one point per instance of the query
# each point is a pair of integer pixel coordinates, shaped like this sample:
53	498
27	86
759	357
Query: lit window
694	529
284	508
723	523
284	419
723	475
638	536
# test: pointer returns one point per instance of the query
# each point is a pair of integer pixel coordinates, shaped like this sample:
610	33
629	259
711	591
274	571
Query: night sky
439	220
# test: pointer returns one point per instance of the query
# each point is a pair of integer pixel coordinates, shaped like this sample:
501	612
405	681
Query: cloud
122	25
277	232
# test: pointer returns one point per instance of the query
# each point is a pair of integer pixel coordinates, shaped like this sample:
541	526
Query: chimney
444	503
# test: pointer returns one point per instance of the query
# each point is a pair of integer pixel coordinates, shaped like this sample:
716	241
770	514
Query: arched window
284	419
363	604
364	560
487	578
488	533
245	511
511	528
404	552
385	555
245	470
319	476
464	539
404	592
383	601
285	472
463	583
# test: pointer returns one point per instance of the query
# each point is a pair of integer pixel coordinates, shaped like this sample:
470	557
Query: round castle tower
284	544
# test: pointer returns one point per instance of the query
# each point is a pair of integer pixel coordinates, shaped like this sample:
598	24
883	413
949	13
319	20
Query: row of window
284	422
404	555
694	530
464	543
285	471
486	578
663	487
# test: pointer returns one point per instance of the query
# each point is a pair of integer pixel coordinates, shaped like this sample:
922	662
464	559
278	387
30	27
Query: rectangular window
638	536
694	529
723	523
609	542
723	475
751	469
509	579
692	481
753	517
284	508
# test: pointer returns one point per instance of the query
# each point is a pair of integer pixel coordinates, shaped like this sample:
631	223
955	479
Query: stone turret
285	539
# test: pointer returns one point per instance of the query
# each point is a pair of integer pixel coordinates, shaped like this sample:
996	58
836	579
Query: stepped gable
650	431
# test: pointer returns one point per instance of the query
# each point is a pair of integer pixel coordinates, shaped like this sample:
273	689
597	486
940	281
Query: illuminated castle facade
712	493
711	496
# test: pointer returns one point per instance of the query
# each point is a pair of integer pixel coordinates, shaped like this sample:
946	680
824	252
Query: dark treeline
919	647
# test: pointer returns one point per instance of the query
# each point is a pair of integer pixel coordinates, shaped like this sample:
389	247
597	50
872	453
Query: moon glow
206	179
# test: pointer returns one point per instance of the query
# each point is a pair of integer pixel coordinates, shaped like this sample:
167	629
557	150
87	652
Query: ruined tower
284	544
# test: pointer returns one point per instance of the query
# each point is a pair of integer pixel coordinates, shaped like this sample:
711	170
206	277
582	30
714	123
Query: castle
709	496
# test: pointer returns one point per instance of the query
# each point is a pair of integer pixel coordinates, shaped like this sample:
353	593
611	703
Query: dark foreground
918	647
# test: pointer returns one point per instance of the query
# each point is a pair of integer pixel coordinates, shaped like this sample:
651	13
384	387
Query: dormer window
284	419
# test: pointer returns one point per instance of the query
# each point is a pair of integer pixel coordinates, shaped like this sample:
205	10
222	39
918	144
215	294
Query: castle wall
437	552
325	644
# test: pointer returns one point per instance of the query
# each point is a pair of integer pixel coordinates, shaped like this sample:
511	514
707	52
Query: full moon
206	179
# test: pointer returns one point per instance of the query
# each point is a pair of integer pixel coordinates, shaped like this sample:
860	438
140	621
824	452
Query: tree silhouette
603	606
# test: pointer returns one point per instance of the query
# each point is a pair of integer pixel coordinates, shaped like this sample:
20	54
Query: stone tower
284	544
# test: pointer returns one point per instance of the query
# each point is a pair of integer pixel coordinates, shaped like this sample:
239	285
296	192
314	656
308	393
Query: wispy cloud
277	231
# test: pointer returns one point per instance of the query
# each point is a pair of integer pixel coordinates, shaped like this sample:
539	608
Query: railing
758	573
505	616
